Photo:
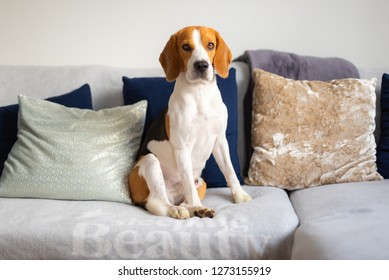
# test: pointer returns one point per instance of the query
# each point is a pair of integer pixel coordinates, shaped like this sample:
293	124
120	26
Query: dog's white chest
198	115
201	138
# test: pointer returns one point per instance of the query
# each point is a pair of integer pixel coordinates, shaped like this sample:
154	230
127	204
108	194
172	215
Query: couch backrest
45	81
106	86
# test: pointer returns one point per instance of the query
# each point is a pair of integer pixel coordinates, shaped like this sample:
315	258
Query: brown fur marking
138	188
202	190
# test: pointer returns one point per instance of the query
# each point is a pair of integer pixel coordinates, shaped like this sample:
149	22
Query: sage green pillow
69	153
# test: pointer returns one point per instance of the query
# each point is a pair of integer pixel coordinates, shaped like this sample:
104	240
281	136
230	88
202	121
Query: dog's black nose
201	66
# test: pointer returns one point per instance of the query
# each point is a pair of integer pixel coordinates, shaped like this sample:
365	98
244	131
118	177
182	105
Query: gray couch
340	221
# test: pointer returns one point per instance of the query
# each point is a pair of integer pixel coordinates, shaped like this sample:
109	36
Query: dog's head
198	51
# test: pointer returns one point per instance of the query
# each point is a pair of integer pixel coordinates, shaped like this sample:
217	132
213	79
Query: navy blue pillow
79	98
383	145
157	92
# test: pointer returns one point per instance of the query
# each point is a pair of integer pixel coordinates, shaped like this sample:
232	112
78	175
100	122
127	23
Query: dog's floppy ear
223	56
170	59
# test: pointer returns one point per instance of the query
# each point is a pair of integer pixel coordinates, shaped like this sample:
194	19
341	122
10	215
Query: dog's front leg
184	164
192	200
221	153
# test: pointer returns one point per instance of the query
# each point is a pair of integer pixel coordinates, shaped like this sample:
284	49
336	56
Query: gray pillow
69	153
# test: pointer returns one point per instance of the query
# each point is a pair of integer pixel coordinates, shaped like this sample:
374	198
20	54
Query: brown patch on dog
139	191
201	190
167	125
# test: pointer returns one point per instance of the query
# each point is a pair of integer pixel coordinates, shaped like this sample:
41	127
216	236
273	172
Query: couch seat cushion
344	221
260	229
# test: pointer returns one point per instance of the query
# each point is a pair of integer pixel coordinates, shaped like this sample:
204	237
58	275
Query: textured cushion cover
309	133
383	145
157	92
79	98
292	66
69	153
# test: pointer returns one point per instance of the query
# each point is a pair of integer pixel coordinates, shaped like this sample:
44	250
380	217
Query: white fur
198	122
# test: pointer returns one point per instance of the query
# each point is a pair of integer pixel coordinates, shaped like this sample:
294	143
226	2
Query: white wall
132	33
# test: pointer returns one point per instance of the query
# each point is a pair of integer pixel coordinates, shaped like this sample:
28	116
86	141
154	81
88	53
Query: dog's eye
186	47
211	46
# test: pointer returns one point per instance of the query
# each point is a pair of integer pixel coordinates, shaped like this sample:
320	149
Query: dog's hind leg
157	201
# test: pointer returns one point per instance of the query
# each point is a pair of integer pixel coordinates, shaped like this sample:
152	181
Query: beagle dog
166	178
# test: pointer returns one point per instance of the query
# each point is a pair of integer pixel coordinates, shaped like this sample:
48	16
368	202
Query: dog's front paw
178	212
241	196
202	212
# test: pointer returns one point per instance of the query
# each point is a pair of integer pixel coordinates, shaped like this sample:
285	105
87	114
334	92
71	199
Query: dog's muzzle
201	71
201	66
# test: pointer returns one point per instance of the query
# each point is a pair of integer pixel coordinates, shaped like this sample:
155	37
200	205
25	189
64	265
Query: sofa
341	220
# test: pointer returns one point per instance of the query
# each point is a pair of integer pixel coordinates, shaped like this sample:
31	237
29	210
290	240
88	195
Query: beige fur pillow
309	133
